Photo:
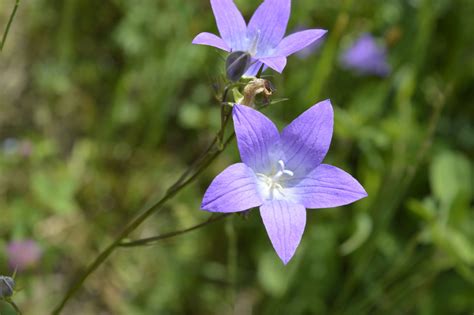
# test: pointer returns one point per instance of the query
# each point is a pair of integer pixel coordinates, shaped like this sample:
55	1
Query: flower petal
233	190
211	40
285	223
230	23
253	70
306	140
276	63
268	25
298	41
327	186
257	138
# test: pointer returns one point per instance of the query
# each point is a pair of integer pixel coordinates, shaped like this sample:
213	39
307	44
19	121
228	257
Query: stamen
288	172
273	182
282	164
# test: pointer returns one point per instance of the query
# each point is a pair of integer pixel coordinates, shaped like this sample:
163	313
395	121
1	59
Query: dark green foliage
108	102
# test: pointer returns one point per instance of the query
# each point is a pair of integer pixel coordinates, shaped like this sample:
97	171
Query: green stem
13	305
325	64
148	211
152	240
195	169
7	29
231	261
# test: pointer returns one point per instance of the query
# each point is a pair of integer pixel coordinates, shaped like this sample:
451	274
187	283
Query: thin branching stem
10	20
209	155
154	239
134	224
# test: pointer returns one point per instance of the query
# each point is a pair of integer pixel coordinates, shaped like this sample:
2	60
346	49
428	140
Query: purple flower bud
7	286
237	64
23	254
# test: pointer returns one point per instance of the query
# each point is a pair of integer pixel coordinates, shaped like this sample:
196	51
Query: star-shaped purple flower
262	38
282	174
365	56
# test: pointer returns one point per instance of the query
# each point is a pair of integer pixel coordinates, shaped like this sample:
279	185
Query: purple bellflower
263	37
282	174
366	57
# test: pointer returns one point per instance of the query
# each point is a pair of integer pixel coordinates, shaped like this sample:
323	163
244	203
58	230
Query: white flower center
273	183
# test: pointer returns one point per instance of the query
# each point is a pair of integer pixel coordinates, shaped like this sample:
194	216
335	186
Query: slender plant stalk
231	261
153	240
10	20
212	152
13	305
148	211
325	64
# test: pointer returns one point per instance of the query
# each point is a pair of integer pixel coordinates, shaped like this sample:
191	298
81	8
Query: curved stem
10	20
13	305
214	150
152	240
154	207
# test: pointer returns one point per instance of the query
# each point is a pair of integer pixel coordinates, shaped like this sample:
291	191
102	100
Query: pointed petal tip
363	193
326	103
285	223
328	186
209	39
230	23
285	260
317	33
271	16
277	63
326	106
306	139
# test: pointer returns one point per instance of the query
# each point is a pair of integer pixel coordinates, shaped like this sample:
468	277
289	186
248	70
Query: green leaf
450	176
273	275
425	209
454	242
361	234
55	190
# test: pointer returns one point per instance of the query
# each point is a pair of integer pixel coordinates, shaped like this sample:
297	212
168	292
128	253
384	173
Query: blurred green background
104	103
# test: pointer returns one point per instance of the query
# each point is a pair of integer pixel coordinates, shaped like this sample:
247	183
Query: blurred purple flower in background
10	146
14	147
23	254
366	57
282	174
263	37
